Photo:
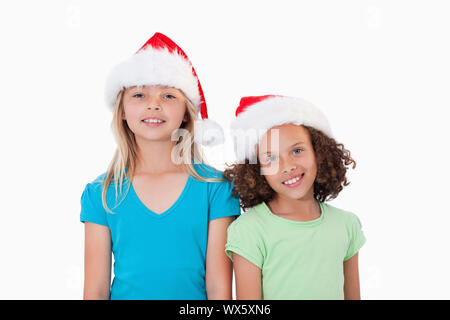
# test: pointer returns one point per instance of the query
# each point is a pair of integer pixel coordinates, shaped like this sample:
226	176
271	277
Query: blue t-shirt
160	256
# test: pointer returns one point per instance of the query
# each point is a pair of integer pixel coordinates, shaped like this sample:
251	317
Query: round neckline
309	223
165	213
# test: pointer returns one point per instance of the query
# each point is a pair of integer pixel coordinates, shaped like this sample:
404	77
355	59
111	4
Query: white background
379	69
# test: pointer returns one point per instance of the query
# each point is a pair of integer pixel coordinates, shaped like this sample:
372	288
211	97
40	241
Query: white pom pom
208	132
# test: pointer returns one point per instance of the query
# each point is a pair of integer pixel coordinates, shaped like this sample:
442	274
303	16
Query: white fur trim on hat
251	124
153	67
208	133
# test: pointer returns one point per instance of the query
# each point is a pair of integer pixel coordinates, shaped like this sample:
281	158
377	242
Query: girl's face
290	168
154	112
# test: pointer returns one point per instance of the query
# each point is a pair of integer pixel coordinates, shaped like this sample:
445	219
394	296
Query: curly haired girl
289	243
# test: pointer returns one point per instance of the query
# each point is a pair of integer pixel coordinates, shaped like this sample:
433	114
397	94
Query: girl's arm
351	279
97	261
248	279
218	266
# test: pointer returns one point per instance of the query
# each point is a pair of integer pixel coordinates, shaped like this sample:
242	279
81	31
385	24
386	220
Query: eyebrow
300	142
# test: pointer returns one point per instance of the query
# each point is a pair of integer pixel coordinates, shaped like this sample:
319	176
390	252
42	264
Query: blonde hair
126	153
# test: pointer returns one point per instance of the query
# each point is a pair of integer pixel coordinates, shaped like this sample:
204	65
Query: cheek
176	110
270	171
132	120
272	179
312	166
269	180
131	111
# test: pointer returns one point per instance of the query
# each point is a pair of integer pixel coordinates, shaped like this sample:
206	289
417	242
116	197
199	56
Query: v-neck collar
150	212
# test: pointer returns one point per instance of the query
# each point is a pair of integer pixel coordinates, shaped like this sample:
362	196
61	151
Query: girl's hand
248	279
219	270
97	262
351	279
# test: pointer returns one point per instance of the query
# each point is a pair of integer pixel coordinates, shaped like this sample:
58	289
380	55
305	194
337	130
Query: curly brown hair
252	188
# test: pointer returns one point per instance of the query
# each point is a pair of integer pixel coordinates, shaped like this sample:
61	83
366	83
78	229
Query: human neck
303	209
154	157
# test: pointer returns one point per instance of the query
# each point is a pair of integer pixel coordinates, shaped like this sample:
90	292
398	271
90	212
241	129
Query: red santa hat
256	115
160	61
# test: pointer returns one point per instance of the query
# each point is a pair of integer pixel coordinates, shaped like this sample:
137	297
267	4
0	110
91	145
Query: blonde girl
159	209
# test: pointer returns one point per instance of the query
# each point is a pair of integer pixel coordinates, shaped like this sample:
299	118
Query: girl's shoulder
92	195
207	171
91	201
338	214
97	184
218	192
249	226
252	218
100	179
217	182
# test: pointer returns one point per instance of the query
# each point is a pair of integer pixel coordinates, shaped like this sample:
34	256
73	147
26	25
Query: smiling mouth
294	180
153	121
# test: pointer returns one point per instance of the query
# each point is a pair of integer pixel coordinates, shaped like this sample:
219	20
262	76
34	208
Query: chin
296	196
154	137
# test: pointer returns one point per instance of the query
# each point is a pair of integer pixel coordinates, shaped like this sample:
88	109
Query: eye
297	151
138	95
169	96
271	159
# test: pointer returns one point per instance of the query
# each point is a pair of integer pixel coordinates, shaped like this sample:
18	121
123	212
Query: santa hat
160	61
257	114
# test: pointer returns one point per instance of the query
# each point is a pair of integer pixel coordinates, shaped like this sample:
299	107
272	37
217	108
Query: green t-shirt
298	260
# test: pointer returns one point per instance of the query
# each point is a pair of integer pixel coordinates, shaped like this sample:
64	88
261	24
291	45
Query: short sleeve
222	202
357	238
246	242
91	205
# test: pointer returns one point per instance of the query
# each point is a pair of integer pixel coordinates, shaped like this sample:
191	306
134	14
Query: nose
154	106
289	167
154	103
